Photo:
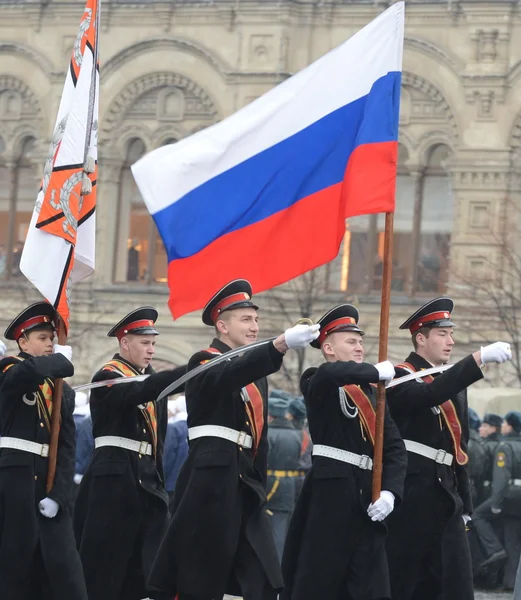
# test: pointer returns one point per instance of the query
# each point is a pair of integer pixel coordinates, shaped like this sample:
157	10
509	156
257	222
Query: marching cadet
335	544
506	492
38	556
283	464
427	533
297	415
219	539
122	507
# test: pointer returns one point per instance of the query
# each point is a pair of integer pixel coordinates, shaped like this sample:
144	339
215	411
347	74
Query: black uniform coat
333	549
122	506
220	492
284	455
435	495
31	544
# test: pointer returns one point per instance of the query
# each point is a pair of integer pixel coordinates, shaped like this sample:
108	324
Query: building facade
170	68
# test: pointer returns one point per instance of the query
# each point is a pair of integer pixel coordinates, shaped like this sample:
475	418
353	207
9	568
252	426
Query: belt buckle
441	455
364	462
241	439
44	452
143	447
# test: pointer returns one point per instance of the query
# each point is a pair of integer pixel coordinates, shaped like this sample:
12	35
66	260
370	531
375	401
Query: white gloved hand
385	370
496	511
65	350
301	336
49	507
383	507
3	348
498	352
466	519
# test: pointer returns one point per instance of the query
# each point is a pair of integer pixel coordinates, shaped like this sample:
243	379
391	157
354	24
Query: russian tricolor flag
263	195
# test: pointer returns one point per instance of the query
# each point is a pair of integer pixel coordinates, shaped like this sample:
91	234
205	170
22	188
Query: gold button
240	449
247	423
35	477
144	430
41	424
140	482
240	475
139	455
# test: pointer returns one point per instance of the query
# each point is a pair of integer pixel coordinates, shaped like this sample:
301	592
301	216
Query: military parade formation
274	497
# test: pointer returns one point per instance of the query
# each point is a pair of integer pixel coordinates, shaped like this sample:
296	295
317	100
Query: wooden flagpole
56	414
382	354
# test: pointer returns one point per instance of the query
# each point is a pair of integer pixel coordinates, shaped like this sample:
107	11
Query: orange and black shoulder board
9	361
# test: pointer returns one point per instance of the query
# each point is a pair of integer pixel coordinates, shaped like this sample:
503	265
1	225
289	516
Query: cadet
283	465
427	533
38	557
219	539
297	415
122	506
506	492
335	544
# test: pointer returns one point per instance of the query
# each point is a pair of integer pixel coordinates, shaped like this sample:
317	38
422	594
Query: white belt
121	442
241	438
361	461
25	445
440	456
515	482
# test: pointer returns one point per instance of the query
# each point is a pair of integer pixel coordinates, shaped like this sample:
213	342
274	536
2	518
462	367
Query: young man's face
485	430
344	345
506	428
37	343
239	327
436	344
138	349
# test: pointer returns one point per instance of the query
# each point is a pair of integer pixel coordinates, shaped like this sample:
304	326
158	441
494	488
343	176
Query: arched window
19	182
422	229
140	254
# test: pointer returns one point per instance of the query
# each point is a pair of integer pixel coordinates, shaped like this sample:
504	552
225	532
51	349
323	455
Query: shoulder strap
365	407
118	366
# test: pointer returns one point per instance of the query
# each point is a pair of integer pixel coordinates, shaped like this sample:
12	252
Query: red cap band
19	331
426	319
324	331
226	302
129	327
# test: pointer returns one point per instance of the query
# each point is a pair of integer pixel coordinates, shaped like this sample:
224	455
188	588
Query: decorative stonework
425	103
486	45
140	98
260	52
480	180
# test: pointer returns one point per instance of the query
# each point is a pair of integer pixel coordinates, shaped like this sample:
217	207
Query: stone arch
167	43
440	109
201	103
20	113
29	53
432	51
430	140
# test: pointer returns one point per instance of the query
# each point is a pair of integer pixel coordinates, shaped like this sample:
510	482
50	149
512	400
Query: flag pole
382	354
56	413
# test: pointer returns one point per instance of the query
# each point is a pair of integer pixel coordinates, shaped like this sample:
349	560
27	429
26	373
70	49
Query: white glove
77	478
65	350
49	507
385	370
498	352
3	348
301	336
383	507
466	519
496	511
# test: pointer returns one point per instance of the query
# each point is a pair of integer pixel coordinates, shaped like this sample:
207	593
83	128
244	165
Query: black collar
148	370
418	362
218	345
